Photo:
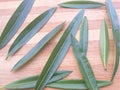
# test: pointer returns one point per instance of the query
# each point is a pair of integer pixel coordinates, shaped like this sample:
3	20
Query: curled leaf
37	47
116	34
58	53
82	4
30	82
75	84
84	65
84	35
15	22
30	31
104	43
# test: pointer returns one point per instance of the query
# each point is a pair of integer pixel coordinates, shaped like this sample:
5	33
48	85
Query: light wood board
95	16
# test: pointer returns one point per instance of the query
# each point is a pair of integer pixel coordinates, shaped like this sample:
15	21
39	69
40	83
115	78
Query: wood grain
95	16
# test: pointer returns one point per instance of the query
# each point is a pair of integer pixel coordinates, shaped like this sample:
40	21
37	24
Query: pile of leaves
49	76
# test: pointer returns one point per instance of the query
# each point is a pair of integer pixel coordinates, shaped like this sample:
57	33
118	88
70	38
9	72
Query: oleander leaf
75	84
58	53
30	82
15	22
104	43
30	31
84	36
81	4
116	34
84	65
37	47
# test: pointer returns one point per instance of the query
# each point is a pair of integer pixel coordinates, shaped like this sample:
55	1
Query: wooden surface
95	16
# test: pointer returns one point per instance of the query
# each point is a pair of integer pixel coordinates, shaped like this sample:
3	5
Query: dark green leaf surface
58	53
75	84
30	82
38	47
104	43
84	36
82	4
116	34
31	30
15	21
84	65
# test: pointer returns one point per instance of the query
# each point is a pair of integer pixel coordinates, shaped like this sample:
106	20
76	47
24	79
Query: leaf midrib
54	60
86	71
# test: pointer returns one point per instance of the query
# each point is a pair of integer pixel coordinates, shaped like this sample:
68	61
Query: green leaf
84	65
58	53
30	30
29	83
84	36
119	40
15	21
104	43
82	4
116	34
75	84
37	47
58	75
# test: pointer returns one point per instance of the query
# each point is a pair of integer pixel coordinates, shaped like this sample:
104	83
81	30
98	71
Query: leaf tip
112	78
53	8
62	24
69	72
13	69
60	4
7	57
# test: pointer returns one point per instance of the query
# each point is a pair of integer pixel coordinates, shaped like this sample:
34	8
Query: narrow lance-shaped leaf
84	36
37	47
84	65
82	4
30	82
119	40
15	21
30	31
58	53
116	33
104	43
75	84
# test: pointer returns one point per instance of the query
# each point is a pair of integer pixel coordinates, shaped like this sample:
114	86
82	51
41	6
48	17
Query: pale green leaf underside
58	53
104	43
84	35
82	4
15	21
37	47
